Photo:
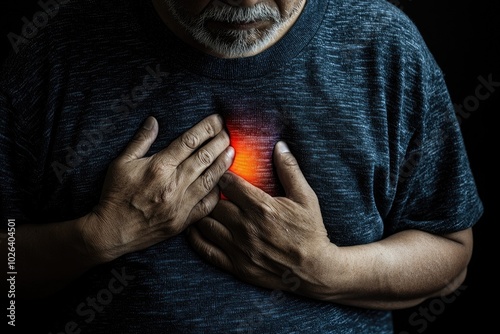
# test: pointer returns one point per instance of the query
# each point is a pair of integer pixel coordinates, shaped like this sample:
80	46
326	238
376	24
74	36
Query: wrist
320	272
90	243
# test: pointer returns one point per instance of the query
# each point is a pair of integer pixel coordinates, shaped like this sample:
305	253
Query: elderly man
298	168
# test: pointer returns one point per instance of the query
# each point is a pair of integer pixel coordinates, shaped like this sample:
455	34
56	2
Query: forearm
398	272
49	256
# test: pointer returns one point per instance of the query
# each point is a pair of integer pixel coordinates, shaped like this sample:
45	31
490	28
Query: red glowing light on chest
253	142
249	154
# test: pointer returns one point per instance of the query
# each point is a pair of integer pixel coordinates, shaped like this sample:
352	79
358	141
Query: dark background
464	37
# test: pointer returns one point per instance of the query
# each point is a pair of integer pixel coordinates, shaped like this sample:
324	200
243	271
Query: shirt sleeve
436	190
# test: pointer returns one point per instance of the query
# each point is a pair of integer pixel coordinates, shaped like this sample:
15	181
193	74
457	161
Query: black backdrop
464	37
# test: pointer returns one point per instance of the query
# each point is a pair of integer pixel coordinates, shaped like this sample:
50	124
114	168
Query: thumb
142	141
294	183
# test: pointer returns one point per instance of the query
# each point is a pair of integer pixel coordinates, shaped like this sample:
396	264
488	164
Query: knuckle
209	129
141	136
163	195
168	190
204	157
156	169
160	167
213	257
208	181
205	207
209	254
289	160
212	225
190	140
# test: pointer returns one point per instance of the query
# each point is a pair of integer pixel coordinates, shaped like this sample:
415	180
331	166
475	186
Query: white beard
233	43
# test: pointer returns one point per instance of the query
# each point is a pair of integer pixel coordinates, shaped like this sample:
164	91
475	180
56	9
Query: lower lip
238	26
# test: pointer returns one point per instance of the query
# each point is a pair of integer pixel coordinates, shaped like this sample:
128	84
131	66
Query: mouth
224	25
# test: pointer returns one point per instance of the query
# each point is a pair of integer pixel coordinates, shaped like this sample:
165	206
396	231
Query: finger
190	141
208	251
209	179
204	206
191	169
294	183
241	192
227	213
215	232
142	141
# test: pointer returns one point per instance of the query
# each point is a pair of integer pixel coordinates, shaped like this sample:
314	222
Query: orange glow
246	157
253	141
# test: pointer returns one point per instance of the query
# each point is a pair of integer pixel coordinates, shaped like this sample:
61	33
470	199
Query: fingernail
282	147
230	152
149	123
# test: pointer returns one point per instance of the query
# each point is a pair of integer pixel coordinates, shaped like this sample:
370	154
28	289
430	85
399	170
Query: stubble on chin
230	42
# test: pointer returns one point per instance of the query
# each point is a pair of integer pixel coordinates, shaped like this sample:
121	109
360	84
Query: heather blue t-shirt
352	89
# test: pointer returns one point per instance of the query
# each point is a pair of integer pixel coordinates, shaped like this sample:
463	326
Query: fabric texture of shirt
353	90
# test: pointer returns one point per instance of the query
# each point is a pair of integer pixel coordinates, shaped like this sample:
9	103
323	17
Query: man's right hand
146	200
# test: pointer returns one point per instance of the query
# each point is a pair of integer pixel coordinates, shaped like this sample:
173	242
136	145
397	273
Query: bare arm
145	200
281	243
398	272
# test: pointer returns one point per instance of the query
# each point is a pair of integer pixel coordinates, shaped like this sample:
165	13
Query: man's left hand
272	242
